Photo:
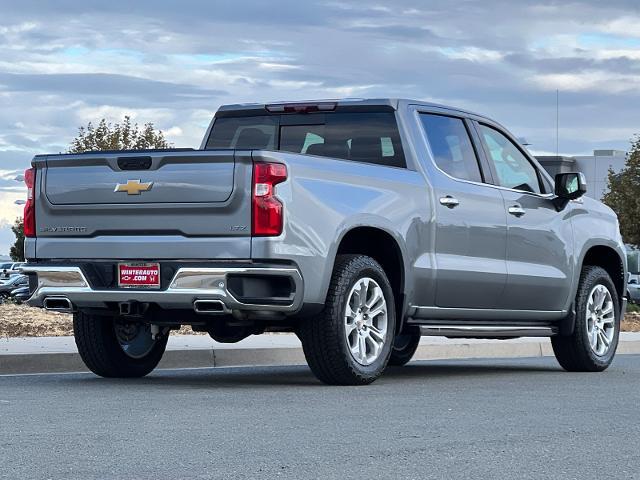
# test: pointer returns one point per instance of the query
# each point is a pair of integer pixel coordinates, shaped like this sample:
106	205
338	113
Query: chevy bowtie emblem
133	187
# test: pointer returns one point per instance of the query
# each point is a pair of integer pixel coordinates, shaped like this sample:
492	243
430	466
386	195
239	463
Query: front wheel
593	344
112	347
349	342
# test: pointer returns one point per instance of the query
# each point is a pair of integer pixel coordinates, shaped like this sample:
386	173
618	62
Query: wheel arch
611	261
381	245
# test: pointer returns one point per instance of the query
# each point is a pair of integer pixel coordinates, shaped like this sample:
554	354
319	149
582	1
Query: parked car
633	291
21	294
5	267
10	270
14	282
358	224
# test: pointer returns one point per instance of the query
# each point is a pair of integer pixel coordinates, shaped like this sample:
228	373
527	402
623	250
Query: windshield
5	266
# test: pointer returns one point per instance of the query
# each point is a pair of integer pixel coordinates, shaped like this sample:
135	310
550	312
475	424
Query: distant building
595	168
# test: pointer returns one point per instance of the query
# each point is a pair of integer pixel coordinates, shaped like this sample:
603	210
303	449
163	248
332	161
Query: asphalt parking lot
516	418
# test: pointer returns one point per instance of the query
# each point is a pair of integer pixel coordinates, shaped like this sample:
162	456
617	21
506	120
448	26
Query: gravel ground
24	321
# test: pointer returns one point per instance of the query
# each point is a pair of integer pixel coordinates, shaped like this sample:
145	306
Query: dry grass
631	322
24	321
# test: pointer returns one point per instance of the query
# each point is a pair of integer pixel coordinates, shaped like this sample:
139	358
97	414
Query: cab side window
451	146
514	170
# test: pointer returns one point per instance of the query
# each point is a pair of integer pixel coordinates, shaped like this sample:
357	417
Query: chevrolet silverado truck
360	225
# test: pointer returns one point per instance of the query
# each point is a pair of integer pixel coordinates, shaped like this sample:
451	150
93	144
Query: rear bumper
187	286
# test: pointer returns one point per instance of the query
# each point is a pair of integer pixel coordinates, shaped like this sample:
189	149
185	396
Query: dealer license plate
136	274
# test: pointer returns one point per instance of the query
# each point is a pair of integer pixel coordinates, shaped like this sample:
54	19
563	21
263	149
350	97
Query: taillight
29	207
267	209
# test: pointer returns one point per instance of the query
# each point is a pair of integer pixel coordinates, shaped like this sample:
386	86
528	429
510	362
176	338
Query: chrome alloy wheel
600	319
134	338
365	321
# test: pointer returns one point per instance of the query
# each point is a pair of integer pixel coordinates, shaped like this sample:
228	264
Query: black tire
574	352
404	347
101	352
323	336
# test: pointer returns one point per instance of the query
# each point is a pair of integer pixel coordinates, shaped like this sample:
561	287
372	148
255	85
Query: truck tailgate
144	205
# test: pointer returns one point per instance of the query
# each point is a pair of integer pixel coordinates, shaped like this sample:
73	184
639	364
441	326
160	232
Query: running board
484	331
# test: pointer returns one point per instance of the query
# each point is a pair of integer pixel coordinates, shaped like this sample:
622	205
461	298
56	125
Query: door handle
449	201
516	210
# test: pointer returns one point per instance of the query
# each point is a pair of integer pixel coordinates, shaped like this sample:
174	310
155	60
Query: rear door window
451	146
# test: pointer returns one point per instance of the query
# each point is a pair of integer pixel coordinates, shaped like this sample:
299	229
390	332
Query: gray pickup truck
360	225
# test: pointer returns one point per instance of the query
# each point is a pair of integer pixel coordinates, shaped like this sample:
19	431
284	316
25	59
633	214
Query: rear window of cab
362	137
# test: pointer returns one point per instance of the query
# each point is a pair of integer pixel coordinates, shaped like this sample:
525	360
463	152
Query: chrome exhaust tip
210	306
58	304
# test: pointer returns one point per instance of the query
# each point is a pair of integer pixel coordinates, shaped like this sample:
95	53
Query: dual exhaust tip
63	304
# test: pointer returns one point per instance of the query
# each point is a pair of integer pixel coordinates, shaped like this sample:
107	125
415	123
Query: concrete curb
289	353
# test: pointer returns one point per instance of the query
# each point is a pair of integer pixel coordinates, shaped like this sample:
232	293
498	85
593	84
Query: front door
538	237
470	220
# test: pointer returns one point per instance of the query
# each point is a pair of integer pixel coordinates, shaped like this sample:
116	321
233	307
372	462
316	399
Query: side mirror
569	186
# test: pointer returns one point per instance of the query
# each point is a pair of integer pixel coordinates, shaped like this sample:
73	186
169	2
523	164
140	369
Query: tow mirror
569	186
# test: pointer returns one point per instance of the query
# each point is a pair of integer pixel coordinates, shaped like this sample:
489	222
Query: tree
118	136
17	249
624	195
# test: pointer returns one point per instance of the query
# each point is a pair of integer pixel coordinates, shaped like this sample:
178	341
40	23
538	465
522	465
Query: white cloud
578	82
626	26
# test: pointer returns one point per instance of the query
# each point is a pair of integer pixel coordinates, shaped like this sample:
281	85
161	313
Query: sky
65	63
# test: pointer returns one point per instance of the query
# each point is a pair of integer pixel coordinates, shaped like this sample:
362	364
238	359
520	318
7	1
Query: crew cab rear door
470	220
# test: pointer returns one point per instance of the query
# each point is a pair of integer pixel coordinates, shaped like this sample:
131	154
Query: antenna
557	123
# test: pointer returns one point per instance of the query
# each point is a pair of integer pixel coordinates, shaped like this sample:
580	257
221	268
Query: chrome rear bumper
187	286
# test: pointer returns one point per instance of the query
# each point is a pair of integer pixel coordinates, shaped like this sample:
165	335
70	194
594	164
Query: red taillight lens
267	210
29	207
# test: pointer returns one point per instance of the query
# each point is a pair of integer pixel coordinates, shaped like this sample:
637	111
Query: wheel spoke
608	321
376	334
375	345
364	289
362	347
382	308
349	327
376	296
593	338
597	298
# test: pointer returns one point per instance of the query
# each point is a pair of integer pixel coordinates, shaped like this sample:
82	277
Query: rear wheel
593	344
349	342
404	347
112	347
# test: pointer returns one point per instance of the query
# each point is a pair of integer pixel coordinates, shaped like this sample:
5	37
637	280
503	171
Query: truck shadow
300	376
